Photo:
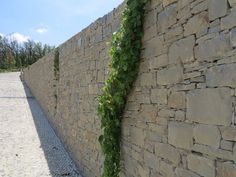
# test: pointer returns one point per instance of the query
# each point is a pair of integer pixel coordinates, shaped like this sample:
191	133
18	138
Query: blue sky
50	21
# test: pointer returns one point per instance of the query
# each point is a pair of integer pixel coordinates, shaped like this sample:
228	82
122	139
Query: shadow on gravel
57	158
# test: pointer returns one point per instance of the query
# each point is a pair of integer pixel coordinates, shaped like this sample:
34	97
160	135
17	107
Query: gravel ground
28	145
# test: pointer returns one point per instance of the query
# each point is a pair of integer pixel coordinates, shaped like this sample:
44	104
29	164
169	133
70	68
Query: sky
50	21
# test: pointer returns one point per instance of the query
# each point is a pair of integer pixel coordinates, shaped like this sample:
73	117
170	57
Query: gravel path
28	145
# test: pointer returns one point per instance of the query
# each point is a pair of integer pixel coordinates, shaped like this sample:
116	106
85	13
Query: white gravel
28	145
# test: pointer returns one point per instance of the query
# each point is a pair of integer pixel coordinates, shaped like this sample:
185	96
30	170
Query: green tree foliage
14	55
125	55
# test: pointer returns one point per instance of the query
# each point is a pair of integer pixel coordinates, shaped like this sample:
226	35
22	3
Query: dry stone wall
180	116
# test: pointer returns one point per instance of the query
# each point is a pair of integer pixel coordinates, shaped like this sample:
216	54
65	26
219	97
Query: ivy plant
125	55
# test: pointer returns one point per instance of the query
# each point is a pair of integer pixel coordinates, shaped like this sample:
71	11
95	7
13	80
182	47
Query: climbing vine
56	73
56	64
125	54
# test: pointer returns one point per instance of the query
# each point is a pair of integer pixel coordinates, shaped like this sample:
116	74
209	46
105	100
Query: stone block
171	75
228	133
210	106
232	3
226	145
226	169
153	47
221	76
201	165
207	135
168	152
202	6
168	2
212	49
217	8
137	136
167	17
233	37
147	79
180	135
196	24
151	160
166	169
148	113
159	96
180	172
180	115
158	62
177	100
229	21
182	50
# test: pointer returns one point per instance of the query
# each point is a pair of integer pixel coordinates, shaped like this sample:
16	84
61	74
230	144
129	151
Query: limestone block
148	113
147	79
180	135
217	8
226	169
197	23
200	7
226	145
201	165
229	21
166	169
167	17
212	49
150	160
170	75
221	76
232	3
228	133
166	113
180	115
168	152
177	100
233	37
180	172
209	106
153	47
137	136
167	2
159	96
158	62
182	50
207	135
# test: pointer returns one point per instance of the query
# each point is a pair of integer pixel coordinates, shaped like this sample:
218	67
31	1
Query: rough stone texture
182	50
228	133
171	75
233	37
229	21
221	76
167	17
232	3
212	49
207	135
167	152
197	23
226	169
217	8
177	100
180	172
209	106
201	165
185	89
180	135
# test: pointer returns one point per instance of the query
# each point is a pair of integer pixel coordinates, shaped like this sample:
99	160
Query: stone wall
180	117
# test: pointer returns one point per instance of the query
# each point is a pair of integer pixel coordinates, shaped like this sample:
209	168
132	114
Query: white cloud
18	37
41	30
1	35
